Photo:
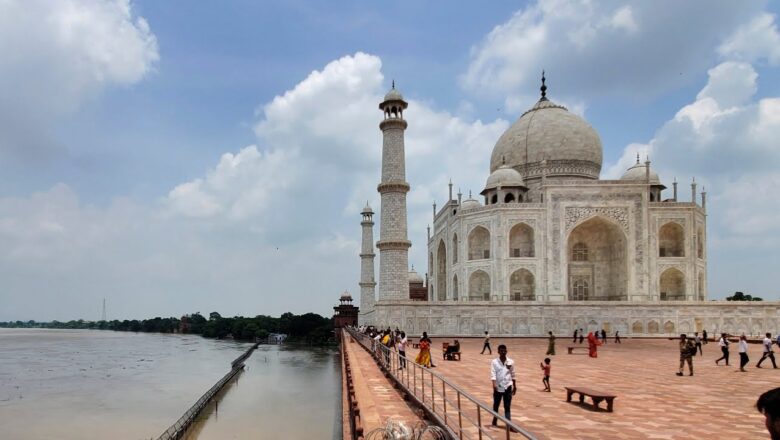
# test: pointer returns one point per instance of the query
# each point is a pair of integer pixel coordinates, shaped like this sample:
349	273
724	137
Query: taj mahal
548	246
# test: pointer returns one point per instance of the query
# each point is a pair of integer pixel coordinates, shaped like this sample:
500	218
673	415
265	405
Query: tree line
308	328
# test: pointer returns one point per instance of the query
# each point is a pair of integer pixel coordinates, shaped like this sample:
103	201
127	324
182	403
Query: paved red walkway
653	403
377	397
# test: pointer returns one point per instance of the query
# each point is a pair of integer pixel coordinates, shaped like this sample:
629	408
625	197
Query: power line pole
103	316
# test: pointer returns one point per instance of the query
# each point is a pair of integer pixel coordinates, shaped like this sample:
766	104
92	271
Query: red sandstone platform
375	393
653	403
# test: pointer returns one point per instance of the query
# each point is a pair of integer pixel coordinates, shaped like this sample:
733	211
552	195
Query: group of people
689	347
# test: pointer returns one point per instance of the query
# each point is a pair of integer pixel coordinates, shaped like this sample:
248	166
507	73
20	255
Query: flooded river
76	384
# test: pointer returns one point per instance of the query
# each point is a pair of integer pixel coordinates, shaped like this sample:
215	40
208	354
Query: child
546	369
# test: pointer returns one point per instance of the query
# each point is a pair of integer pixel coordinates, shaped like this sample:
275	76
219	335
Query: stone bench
596	396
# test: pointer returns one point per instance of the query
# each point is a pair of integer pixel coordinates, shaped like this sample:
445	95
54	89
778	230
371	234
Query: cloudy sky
182	156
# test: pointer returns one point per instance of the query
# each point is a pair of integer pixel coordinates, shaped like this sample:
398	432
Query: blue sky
175	157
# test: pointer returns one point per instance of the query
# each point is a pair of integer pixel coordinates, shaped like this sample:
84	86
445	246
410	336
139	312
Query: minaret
393	243
367	282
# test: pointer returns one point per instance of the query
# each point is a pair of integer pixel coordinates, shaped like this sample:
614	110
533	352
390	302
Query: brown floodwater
285	392
77	384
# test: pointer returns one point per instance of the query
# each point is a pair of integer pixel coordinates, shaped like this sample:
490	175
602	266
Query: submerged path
377	397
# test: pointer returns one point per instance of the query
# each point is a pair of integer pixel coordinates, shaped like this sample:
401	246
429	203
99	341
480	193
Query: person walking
546	371
697	340
704	336
486	344
424	356
400	345
575	337
592	344
687	352
768	353
723	342
743	356
603	336
582	336
551	344
502	374
617	337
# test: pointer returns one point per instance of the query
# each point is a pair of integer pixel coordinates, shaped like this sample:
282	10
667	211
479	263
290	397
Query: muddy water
284	393
78	384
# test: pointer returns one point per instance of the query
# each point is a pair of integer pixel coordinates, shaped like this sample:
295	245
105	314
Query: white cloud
242	185
269	228
728	140
55	55
594	48
754	41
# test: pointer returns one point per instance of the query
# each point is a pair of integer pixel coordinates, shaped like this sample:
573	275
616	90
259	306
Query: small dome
504	177
367	209
637	173
470	203
414	277
394	95
346	296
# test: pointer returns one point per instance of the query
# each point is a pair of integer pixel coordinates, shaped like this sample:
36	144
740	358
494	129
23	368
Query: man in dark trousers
704	336
502	374
575	337
768	353
603	336
582	336
617	337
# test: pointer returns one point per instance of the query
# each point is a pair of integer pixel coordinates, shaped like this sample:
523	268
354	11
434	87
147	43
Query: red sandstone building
346	314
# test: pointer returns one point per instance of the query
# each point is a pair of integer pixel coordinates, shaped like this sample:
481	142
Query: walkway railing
178	429
457	411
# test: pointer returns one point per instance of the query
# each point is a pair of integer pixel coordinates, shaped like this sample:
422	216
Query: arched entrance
479	286
522	286
441	271
597	269
672	285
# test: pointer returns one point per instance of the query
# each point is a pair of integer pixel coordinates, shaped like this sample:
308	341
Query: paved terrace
377	397
653	403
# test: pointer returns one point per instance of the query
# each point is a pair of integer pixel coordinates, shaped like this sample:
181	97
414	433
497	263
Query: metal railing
178	429
462	415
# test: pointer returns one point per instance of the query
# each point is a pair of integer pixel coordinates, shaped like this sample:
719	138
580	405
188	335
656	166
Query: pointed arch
479	244
597	251
671	240
700	286
669	327
441	271
479	286
521	241
455	248
455	287
672	285
700	242
522	286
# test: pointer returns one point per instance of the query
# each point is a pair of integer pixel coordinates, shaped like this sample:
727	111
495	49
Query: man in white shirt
724	348
768	353
502	374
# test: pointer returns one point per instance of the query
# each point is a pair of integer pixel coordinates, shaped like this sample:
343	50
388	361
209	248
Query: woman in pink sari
592	344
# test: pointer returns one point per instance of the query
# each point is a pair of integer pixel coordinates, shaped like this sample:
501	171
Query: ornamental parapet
391	123
367	284
393	244
371	255
397	186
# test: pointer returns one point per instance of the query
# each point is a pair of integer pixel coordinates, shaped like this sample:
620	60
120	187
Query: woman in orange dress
424	356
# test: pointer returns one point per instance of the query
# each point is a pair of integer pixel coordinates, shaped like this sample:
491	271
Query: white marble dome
470	203
414	277
550	132
346	296
637	172
394	95
505	176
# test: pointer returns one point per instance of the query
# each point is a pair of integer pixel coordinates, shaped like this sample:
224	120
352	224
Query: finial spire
393	83
543	89
637	158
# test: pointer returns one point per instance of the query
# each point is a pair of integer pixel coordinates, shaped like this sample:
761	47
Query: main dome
549	132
